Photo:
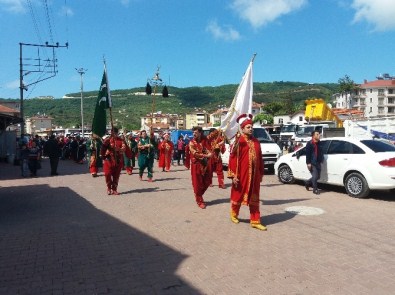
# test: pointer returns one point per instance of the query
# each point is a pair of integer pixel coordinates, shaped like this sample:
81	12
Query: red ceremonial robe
245	163
112	153
200	167
187	162
166	148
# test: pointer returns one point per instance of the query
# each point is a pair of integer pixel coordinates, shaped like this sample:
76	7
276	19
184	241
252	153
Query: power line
48	20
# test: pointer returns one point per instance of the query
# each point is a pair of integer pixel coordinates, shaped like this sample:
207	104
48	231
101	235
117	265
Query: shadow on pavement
280	202
218	201
54	241
276	218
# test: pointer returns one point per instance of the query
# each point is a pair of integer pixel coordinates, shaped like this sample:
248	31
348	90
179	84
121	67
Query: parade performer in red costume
112	152
217	148
246	171
166	148
187	161
200	154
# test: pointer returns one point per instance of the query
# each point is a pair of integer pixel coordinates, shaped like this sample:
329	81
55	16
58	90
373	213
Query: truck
288	132
304	132
382	127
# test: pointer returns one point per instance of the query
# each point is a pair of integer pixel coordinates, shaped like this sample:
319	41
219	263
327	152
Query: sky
194	43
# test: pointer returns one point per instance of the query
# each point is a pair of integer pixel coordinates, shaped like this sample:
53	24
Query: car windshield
307	130
378	146
262	135
288	128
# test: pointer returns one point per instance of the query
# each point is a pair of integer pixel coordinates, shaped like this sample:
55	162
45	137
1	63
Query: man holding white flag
241	104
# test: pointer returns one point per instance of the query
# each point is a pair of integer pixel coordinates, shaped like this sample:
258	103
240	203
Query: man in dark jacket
53	151
314	159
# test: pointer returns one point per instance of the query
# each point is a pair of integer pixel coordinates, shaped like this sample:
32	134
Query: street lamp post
82	71
155	81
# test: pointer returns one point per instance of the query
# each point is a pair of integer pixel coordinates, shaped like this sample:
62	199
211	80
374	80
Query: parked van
271	152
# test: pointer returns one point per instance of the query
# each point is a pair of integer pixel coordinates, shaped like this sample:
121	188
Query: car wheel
356	186
285	174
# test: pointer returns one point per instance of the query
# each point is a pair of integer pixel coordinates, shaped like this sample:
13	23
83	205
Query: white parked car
360	165
271	152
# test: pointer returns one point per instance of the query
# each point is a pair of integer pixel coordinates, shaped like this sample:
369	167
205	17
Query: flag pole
112	134
232	108
108	89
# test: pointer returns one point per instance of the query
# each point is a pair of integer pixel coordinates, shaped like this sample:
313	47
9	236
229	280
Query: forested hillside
129	108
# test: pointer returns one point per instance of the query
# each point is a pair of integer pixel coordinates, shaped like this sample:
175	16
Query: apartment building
198	118
39	124
374	98
162	121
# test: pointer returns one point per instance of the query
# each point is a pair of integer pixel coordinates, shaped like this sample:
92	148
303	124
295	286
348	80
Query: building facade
199	118
374	99
41	125
297	118
161	121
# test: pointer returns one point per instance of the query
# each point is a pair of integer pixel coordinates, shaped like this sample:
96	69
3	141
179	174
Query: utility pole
82	71
48	67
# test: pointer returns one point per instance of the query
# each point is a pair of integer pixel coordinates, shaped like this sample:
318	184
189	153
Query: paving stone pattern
65	235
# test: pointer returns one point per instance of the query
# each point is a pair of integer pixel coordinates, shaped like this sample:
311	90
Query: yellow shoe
234	219
258	226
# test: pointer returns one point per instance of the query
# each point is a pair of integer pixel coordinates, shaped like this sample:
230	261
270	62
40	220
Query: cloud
67	11
225	33
15	6
379	13
12	84
261	12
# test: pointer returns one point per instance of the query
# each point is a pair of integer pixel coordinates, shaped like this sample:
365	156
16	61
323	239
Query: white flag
241	104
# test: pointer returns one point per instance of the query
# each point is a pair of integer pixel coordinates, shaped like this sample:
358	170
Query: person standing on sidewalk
180	150
314	159
246	171
200	153
112	152
53	151
34	156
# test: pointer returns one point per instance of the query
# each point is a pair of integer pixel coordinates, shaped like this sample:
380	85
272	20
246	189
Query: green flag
103	102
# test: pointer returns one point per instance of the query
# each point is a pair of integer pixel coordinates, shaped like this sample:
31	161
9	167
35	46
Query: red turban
244	120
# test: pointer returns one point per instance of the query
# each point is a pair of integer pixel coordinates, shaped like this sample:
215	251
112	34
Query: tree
346	84
274	108
165	92
288	106
148	89
263	118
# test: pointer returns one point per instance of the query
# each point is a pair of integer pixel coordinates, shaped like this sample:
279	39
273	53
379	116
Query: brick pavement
64	235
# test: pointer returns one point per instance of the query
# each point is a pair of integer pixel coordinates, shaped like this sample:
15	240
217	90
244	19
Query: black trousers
54	161
180	155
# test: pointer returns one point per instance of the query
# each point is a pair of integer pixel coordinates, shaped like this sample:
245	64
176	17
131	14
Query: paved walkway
64	235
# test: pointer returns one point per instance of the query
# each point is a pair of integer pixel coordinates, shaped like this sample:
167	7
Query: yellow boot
234	219
258	226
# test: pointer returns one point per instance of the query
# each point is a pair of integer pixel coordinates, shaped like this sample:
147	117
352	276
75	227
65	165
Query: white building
297	118
375	98
40	124
197	118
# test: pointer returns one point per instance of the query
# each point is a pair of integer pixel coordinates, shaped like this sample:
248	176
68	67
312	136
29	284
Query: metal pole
21	88
82	71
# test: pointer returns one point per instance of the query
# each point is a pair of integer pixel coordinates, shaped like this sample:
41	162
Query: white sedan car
360	165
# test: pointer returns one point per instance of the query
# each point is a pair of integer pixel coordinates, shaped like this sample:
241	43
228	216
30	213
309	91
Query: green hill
67	111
